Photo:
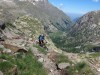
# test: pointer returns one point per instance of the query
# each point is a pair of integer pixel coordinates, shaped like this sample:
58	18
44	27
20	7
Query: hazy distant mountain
87	29
74	16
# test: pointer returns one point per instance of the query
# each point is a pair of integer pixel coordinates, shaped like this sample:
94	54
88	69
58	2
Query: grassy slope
26	64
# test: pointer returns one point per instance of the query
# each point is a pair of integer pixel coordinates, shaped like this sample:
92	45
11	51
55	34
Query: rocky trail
47	59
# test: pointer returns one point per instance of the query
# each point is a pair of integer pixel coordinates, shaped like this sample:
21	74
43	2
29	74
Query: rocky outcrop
14	49
63	65
1	73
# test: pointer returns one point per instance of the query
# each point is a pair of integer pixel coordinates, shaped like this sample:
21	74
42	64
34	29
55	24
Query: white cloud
96	0
61	5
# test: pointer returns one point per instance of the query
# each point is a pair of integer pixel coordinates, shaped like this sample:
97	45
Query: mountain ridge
50	16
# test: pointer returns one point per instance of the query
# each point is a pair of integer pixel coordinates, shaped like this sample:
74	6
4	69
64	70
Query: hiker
41	40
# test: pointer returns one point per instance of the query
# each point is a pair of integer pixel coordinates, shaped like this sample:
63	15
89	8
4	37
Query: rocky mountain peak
35	1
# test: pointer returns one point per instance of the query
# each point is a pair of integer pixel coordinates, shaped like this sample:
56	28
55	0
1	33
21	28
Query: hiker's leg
40	42
43	44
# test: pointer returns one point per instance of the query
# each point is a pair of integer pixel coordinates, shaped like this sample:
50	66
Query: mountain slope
23	34
52	18
87	29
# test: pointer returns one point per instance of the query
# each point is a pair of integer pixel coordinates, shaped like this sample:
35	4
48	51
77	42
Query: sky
76	6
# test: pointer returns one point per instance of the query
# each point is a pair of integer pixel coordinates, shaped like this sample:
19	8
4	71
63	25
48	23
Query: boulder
2	60
63	65
7	51
41	60
98	69
14	49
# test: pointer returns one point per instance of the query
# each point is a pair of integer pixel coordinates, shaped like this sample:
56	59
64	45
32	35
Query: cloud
61	5
96	0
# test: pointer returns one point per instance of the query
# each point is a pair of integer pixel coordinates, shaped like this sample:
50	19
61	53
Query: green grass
64	42
80	69
61	58
27	65
1	49
6	66
41	49
79	66
97	54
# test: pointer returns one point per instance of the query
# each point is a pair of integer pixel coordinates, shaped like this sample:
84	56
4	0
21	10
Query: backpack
41	37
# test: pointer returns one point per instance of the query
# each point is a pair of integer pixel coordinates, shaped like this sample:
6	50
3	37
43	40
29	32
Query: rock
1	73
41	60
14	48
98	69
7	51
1	46
2	60
51	70
63	65
30	39
23	45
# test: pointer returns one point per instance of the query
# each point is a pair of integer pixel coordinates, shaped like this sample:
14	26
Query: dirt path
72	56
48	64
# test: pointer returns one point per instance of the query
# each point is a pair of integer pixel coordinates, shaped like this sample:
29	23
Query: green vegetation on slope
41	49
29	25
95	54
63	42
61	58
80	69
26	64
